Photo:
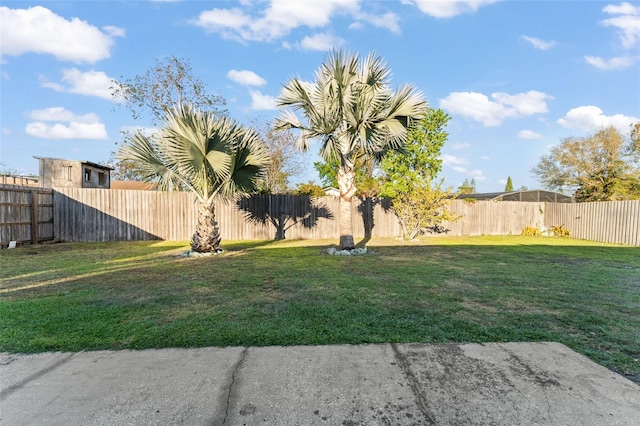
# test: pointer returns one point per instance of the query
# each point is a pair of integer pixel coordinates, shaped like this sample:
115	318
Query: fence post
34	216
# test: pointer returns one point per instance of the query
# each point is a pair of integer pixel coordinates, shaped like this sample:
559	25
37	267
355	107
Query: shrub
531	231
561	231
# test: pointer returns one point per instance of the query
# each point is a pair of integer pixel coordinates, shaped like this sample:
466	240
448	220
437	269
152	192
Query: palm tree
202	152
352	111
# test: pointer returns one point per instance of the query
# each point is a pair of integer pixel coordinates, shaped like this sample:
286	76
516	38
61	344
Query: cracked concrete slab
331	385
403	384
169	386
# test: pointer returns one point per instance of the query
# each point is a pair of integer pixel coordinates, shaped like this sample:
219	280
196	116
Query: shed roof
535	195
89	163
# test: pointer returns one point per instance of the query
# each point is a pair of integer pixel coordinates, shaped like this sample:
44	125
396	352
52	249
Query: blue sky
516	76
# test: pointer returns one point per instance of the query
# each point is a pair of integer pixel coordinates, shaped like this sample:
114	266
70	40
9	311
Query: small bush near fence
561	231
530	231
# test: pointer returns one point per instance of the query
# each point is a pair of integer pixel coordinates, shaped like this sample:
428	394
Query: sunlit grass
475	289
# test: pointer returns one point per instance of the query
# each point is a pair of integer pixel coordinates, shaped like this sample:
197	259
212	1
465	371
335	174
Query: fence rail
74	214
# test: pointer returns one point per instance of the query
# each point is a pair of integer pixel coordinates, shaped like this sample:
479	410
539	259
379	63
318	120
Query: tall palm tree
352	111
202	152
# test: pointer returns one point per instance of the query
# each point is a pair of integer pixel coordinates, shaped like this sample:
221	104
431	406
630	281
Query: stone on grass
355	252
190	253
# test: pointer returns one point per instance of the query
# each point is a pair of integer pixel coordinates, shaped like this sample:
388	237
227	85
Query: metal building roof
535	195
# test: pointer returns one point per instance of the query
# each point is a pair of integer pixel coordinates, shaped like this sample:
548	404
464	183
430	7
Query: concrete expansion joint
233	379
11	389
413	383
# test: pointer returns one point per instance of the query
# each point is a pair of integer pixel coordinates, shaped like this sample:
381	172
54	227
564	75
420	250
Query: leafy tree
285	161
418	162
124	169
169	82
209	154
421	207
509	185
598	167
366	183
354	113
311	189
467	187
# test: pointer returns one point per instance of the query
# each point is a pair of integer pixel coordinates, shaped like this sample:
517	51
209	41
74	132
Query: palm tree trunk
206	239
347	186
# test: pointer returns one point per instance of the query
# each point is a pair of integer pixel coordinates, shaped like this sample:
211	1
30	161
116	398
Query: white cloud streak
626	21
320	42
590	118
448	8
276	21
39	30
492	112
389	20
261	102
617	63
538	43
529	134
60	123
89	83
246	78
452	160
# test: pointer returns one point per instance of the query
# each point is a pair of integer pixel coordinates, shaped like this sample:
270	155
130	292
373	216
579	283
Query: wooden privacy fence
93	215
606	221
118	215
26	215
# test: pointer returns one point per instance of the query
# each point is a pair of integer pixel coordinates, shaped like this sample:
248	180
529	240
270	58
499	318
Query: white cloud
389	20
114	31
6	131
451	160
538	43
321	42
39	30
626	21
66	125
529	134
479	107
461	145
475	174
623	9
246	78
485	157
448	8
90	83
262	102
591	118
276	21
617	63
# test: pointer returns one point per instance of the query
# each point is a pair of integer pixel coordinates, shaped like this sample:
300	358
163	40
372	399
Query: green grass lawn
71	297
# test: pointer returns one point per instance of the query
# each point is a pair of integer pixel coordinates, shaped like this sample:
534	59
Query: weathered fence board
606	221
26	214
121	215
